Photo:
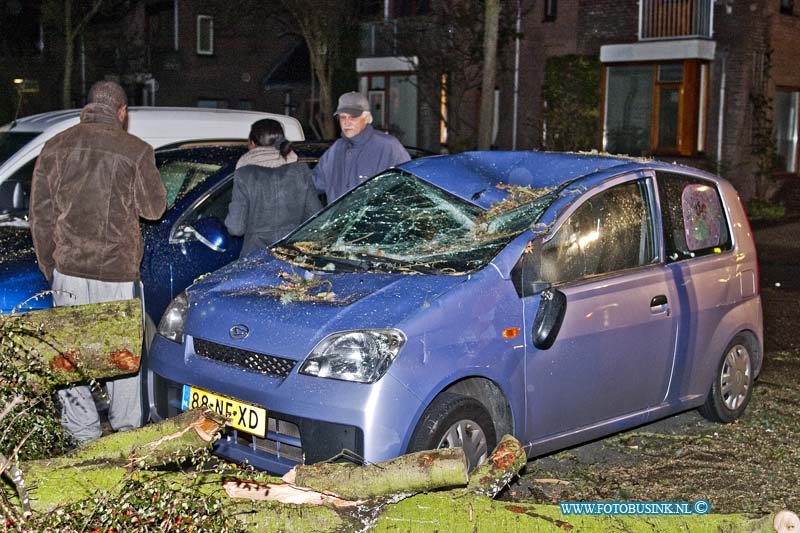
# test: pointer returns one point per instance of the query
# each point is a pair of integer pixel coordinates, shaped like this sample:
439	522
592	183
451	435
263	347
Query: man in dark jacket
91	184
360	153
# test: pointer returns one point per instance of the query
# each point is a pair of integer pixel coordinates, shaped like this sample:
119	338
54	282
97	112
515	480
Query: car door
614	352
698	250
197	244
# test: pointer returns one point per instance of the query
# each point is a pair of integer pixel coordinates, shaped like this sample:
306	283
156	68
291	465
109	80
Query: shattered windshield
399	223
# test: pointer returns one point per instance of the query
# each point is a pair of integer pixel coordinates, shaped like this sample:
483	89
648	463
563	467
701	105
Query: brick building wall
741	32
604	22
785	32
540	40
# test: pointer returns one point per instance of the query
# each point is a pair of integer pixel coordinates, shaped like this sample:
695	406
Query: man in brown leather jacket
91	184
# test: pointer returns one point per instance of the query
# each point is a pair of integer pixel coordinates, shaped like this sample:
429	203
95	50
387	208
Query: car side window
693	217
609	232
181	176
215	206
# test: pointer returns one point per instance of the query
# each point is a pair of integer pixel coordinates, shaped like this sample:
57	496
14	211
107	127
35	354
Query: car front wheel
733	383
455	421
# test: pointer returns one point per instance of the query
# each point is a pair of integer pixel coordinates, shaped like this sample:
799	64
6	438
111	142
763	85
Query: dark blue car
188	241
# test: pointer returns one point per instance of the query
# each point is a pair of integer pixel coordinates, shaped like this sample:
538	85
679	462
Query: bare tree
491	22
72	16
317	20
449	46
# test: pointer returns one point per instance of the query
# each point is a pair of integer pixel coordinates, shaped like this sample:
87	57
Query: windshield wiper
318	261
400	264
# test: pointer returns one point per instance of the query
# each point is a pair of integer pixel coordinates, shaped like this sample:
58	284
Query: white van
22	140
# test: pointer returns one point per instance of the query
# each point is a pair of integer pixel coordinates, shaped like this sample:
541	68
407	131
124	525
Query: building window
377	106
787	7
393	102
550	10
785	130
655	108
205	35
443	112
160	20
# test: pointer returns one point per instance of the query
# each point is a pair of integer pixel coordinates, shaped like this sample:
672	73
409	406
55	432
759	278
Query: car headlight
363	356
171	325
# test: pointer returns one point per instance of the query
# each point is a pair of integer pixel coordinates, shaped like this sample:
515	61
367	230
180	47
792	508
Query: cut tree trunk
98	466
83	342
506	461
411	473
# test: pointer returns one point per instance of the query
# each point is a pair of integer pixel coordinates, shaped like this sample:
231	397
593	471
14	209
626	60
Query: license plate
242	416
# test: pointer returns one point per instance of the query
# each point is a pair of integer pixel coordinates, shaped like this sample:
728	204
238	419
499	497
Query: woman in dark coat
272	191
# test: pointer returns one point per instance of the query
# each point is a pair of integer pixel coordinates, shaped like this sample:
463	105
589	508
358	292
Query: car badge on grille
239	332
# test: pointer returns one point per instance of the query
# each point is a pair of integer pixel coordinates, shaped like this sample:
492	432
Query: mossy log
411	473
98	466
83	342
505	462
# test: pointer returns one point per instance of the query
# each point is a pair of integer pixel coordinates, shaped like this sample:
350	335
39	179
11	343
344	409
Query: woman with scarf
272	191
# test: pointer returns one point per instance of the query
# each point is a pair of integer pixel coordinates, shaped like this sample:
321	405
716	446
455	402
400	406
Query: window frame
203	20
650	212
793	158
550	10
692	107
662	177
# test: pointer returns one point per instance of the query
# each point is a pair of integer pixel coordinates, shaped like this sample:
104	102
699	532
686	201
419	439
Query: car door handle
658	305
658	301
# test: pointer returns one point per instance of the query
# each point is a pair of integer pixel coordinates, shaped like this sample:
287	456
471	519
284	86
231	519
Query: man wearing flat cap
360	153
91	184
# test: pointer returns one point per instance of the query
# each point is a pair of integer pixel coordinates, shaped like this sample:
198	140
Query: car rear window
693	217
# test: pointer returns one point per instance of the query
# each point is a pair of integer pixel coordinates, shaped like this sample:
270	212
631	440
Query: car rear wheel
733	384
455	421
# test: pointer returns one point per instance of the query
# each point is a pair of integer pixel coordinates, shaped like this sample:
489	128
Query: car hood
20	278
288	310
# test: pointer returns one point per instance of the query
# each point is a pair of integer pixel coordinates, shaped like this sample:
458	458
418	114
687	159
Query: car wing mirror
208	231
549	317
13	198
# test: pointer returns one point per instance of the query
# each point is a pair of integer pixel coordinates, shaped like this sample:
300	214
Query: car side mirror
13	198
208	231
549	317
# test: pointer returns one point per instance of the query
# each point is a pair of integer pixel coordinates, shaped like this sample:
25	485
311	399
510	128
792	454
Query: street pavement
778	248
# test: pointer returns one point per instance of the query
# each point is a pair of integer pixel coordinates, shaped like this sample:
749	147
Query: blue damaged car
455	299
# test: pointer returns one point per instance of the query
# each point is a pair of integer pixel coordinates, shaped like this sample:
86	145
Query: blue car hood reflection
247	293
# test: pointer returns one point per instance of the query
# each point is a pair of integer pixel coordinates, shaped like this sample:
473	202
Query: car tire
733	383
453	420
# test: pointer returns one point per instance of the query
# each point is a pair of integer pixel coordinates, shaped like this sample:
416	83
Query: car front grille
282	440
245	359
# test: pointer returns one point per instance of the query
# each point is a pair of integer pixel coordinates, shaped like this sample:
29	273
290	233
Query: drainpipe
516	79
83	71
721	118
152	85
175	17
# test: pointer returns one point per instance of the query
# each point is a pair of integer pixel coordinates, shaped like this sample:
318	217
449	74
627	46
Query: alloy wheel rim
469	436
735	377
